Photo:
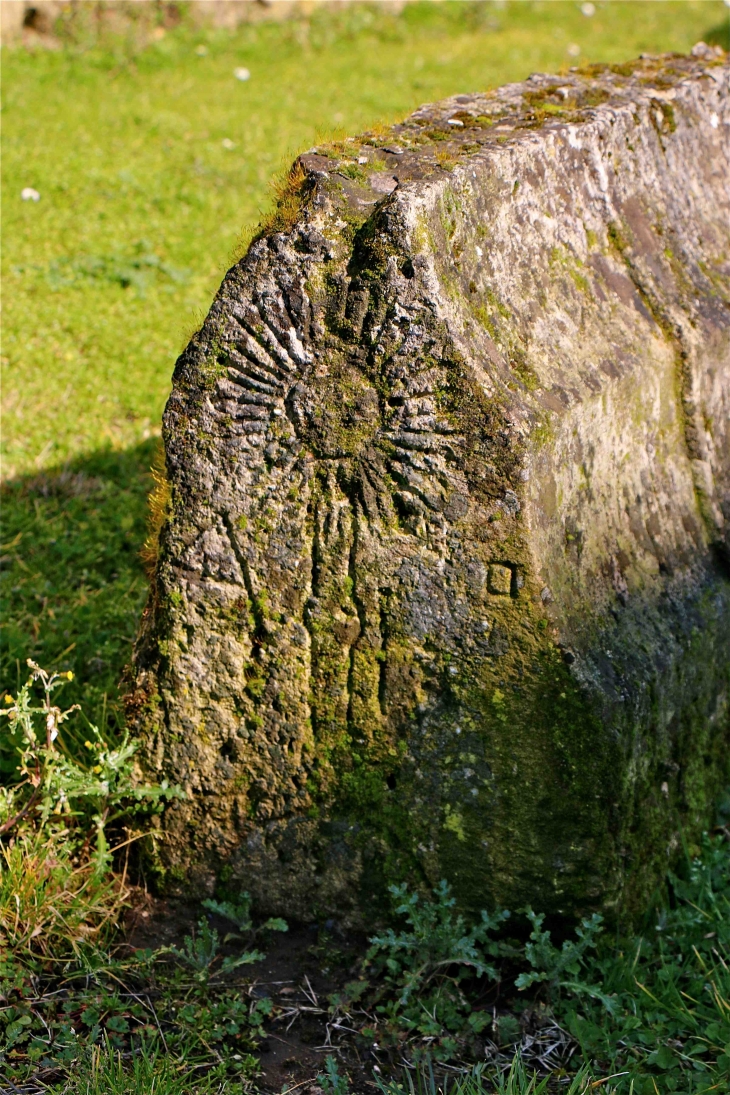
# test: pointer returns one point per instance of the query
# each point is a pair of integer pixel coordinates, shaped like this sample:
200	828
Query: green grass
106	1071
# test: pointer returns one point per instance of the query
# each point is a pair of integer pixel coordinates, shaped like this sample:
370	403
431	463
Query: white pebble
228	143
28	194
573	50
241	73
588	9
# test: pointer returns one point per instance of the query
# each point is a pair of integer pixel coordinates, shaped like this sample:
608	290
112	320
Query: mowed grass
150	164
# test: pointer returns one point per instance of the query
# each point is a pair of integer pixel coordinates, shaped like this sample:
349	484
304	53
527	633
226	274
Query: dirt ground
302	968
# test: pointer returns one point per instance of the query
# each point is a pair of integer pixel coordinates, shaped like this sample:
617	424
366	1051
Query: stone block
518	352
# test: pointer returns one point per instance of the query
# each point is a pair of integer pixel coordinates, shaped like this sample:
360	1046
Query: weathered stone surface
443	589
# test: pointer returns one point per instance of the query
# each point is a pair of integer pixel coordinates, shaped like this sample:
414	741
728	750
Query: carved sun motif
393	440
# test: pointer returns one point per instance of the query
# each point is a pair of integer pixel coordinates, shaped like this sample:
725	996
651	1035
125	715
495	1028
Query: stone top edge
437	137
611	84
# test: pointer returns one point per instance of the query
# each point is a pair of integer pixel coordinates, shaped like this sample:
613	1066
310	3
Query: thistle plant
239	913
57	890
200	953
52	788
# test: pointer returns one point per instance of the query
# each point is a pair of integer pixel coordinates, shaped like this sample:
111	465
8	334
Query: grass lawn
149	164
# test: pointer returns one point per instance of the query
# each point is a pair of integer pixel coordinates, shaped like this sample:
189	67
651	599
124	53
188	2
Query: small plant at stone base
427	975
200	954
564	968
238	913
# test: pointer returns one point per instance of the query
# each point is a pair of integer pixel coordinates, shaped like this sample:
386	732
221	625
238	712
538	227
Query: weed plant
76	1007
424	972
57	892
650	1010
238	913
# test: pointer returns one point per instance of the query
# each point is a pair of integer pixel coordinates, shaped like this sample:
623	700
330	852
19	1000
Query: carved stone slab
443	586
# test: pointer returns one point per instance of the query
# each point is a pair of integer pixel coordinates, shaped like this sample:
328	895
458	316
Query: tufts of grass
159	506
657	1005
516	1080
445	159
58	896
289	191
104	1070
53	901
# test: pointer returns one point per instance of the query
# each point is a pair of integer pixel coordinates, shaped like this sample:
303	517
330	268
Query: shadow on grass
72	581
